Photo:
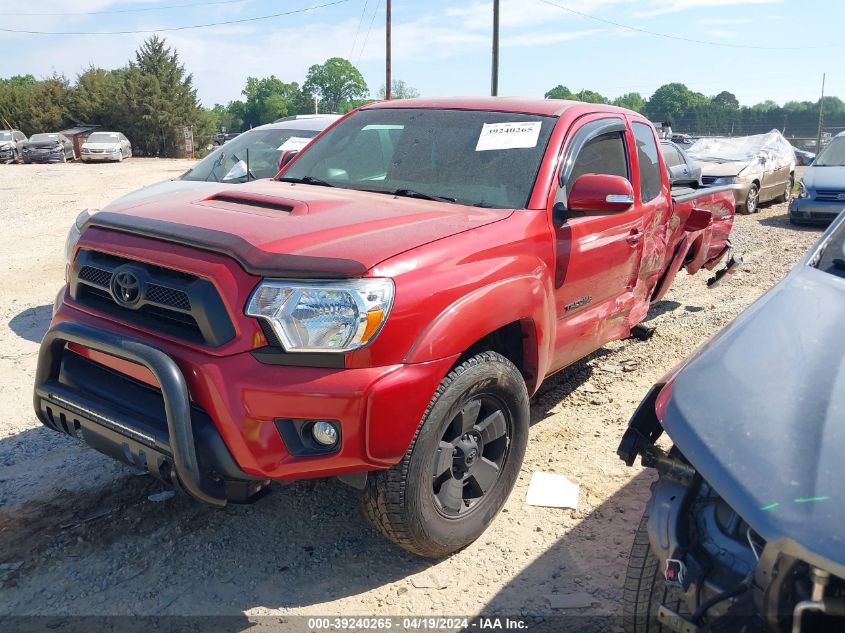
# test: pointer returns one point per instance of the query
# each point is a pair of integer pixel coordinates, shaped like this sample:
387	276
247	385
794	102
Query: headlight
725	180
323	316
76	232
802	189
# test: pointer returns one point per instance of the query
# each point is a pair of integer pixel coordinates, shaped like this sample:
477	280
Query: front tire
752	201
462	463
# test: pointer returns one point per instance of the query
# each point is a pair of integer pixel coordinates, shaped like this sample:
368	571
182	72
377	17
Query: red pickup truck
381	311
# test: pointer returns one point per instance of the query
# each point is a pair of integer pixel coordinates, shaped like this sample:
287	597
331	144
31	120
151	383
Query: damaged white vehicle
759	168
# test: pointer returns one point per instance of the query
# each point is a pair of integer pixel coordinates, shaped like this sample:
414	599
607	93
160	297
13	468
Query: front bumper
42	158
809	211
6	155
244	401
100	157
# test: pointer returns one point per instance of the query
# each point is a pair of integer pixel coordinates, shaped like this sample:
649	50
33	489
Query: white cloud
663	7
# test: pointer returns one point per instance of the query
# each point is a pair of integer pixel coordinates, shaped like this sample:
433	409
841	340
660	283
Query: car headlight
726	180
323	316
802	189
76	232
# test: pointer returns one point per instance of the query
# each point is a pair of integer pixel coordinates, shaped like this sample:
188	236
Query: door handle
634	237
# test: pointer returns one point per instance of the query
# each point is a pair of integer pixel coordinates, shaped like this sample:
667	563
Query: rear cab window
651	177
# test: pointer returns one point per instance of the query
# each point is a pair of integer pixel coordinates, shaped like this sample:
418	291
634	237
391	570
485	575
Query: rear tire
461	465
788	193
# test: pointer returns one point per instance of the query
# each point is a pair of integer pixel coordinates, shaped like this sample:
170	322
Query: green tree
159	99
671	102
97	97
14	101
48	106
559	92
632	100
399	90
590	96
727	100
268	99
335	82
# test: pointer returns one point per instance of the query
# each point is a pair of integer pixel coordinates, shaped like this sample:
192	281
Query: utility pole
821	119
494	80
387	80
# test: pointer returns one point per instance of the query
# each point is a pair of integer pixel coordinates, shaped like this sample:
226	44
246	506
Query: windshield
265	148
103	137
5	136
833	155
470	157
44	137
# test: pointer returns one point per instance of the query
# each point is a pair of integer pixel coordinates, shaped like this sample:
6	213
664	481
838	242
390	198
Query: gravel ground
79	535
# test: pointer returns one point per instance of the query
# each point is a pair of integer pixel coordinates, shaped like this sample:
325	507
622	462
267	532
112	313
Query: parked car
743	531
113	146
803	158
50	147
821	192
683	171
221	138
758	168
380	311
262	146
11	145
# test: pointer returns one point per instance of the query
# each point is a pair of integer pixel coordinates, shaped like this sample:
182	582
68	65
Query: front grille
829	195
175	303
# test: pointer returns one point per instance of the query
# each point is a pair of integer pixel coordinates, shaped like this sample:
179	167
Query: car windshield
260	148
103	137
5	136
44	137
833	155
832	259
466	156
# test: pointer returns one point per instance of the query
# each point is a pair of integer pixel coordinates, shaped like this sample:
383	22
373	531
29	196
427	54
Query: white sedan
106	146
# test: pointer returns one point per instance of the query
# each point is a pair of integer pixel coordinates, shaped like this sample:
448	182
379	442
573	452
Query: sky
442	47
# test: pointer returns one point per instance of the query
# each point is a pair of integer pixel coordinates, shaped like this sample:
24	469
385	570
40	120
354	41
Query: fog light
324	433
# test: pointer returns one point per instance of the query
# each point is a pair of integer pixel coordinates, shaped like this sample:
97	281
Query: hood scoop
237	201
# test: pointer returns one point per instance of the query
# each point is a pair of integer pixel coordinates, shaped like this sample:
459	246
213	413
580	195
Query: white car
106	146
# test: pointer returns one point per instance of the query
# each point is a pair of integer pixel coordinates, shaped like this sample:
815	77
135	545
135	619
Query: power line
137	10
367	36
358	30
178	28
685	39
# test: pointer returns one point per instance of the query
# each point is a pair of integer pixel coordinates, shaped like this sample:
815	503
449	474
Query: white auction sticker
508	135
294	142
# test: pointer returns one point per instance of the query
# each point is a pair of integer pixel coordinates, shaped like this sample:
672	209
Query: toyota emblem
126	288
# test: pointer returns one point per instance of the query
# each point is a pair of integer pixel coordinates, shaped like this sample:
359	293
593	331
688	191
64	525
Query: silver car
11	145
100	146
821	192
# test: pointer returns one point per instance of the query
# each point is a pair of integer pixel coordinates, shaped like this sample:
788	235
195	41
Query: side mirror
594	193
287	156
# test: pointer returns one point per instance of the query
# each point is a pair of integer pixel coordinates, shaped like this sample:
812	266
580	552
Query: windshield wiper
410	193
306	180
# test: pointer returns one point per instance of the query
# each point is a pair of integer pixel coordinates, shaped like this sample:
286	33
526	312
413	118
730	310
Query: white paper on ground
552	491
508	135
294	142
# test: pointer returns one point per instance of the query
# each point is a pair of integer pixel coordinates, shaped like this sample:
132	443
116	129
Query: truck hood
164	188
830	178
760	413
276	228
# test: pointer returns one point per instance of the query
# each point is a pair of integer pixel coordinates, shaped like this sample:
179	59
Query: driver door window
604	154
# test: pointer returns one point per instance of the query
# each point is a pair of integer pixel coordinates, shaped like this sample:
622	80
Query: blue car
821	192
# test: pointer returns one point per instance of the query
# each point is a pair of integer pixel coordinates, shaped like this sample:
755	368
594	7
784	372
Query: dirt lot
78	534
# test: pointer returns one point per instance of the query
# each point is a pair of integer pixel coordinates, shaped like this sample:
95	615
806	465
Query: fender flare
485	310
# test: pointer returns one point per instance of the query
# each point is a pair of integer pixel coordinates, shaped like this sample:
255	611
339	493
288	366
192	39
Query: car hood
163	188
114	145
6	144
760	412
832	178
40	144
729	168
273	227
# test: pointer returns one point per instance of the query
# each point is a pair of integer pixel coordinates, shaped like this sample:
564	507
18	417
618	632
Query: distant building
78	134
